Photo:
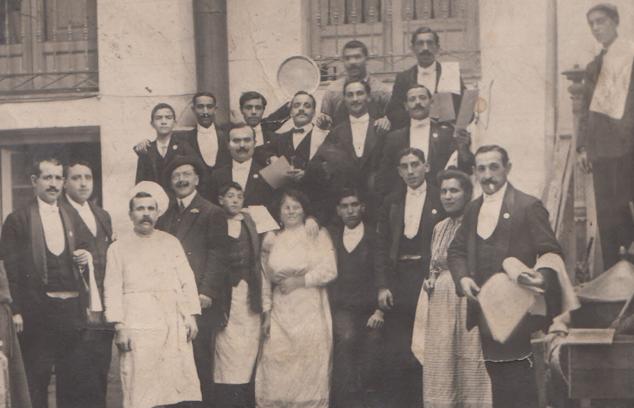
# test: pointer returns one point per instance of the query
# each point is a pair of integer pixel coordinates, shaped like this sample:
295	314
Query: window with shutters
385	26
48	47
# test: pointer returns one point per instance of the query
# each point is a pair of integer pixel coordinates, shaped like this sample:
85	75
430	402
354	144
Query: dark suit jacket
390	230
223	157
151	166
258	192
600	135
220	281
24	250
98	250
524	234
395	110
201	230
264	152
442	144
354	289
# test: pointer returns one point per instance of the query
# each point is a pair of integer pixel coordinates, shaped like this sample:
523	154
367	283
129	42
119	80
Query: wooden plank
556	191
595	260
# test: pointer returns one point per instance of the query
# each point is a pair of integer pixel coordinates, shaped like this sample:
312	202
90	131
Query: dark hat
181	161
610	9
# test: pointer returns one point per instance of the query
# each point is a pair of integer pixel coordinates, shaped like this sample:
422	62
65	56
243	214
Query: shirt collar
497	196
246	165
362	119
307	128
356	230
44	206
428	70
206	131
420	190
187	200
419	123
76	205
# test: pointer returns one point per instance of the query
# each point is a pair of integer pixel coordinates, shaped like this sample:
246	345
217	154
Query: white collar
307	128
159	143
356	230
429	70
418	191
361	119
43	205
76	205
187	200
497	196
206	131
246	165
419	123
258	128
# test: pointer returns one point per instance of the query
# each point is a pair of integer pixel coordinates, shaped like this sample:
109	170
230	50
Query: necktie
181	206
297	130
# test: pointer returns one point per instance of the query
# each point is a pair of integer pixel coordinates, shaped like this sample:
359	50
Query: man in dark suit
40	247
606	132
252	107
404	231
356	318
198	225
159	153
441	146
504	223
95	349
361	144
299	146
427	72
244	169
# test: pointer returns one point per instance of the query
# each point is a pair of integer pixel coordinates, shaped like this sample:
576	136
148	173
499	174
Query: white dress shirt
359	127
86	214
187	200
53	227
613	84
208	143
259	135
352	237
419	131
490	212
298	137
240	173
414	203
162	147
427	77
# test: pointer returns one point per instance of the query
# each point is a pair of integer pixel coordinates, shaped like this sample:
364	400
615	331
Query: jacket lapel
370	142
346	141
505	221
471	223
397	211
189	217
38	246
100	216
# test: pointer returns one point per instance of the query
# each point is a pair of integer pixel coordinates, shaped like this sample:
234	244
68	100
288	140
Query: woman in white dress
295	364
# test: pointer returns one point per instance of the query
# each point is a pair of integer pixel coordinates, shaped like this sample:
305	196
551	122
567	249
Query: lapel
503	228
189	217
397	212
346	141
413	74
171	149
253	235
370	141
70	240
101	218
252	179
472	227
38	245
438	74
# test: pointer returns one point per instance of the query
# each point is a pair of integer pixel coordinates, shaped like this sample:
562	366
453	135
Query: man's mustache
243	149
52	190
489	181
146	219
182	184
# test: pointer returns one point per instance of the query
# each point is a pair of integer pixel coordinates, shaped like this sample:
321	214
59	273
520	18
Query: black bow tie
297	130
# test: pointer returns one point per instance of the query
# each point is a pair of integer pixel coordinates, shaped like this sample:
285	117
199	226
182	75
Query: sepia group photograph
316	204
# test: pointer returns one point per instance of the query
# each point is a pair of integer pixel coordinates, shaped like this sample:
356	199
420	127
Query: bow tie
297	130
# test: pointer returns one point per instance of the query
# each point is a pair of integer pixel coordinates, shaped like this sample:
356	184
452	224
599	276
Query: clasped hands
289	280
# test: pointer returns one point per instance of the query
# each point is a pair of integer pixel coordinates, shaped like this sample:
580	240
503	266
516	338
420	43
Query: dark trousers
204	348
404	378
94	352
235	395
513	384
614	189
54	338
356	357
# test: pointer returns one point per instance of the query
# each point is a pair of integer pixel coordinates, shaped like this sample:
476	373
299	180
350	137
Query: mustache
182	184
53	189
418	106
489	181
243	149
146	219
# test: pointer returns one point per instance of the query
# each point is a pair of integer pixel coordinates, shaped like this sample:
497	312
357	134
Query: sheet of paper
450	78
264	221
442	107
504	305
467	107
275	173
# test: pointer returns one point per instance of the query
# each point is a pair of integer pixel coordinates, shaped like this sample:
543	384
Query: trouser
356	352
513	383
54	338
614	189
94	352
204	349
235	395
404	378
